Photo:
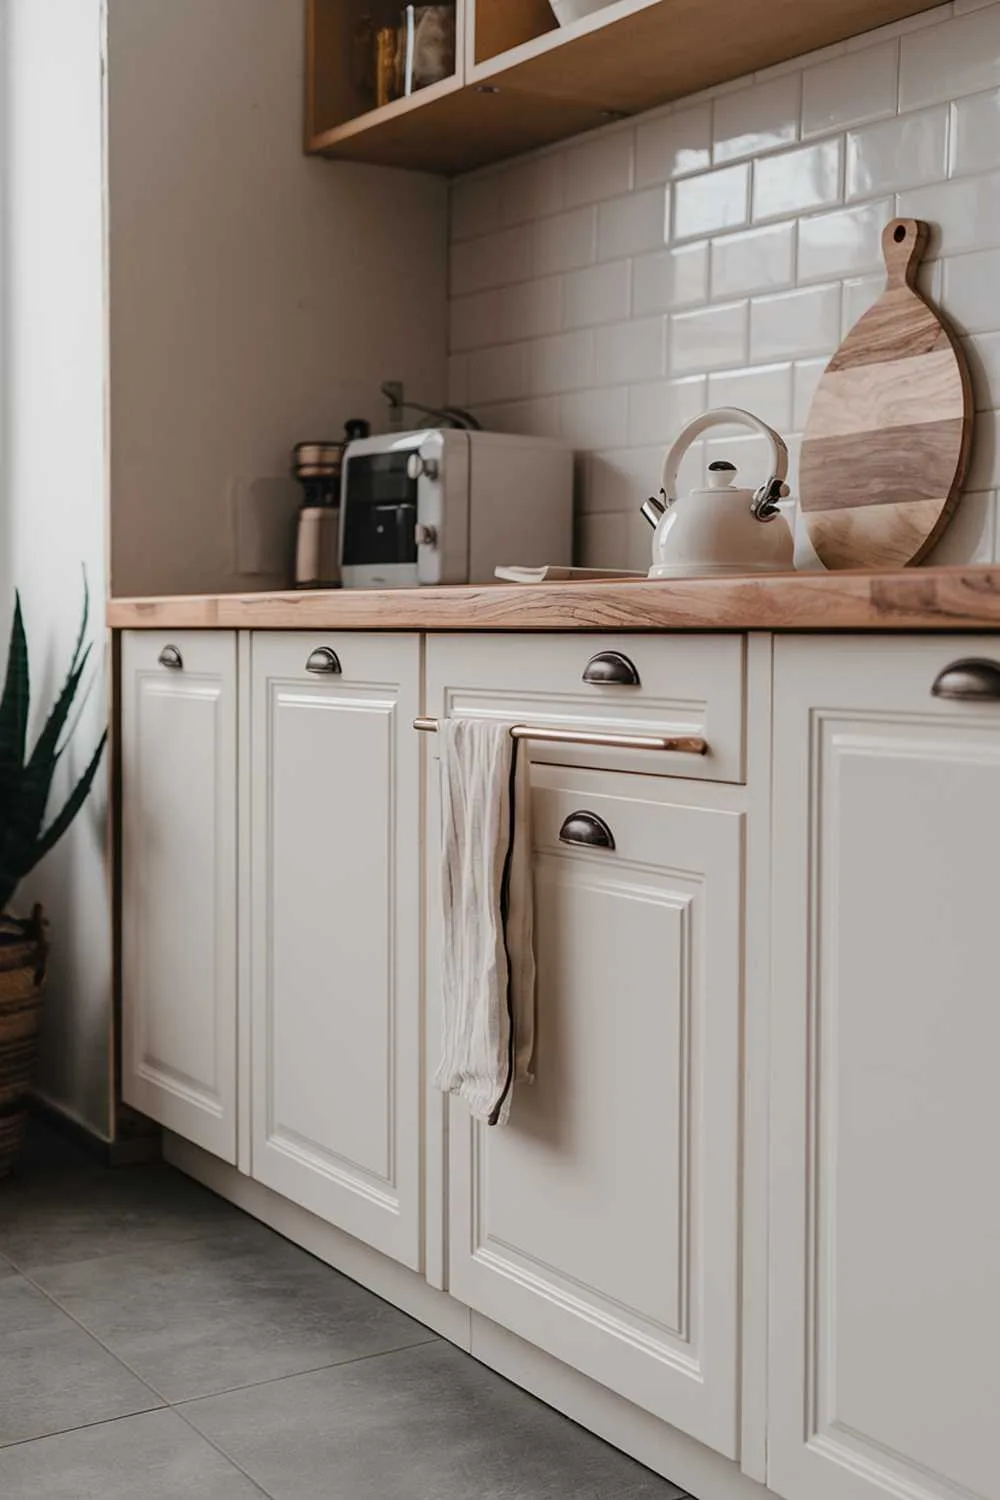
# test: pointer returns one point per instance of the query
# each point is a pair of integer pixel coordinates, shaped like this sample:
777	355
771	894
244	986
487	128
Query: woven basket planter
23	955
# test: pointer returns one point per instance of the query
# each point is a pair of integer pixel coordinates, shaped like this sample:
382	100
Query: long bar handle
680	744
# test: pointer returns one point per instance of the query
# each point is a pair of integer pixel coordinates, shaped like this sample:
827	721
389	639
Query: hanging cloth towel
488	962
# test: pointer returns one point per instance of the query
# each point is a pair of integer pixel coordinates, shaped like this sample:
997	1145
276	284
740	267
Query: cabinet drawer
678	685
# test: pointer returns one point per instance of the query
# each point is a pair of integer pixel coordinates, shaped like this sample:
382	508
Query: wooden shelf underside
625	59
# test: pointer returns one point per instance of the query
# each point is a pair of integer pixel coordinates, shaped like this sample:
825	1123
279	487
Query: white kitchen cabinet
178	764
335	930
601	1223
885	1119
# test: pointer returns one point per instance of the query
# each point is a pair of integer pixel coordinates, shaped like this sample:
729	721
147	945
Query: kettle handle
765	501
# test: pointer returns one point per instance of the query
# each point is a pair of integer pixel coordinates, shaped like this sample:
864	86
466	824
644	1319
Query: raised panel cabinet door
335	947
178	747
885	1205
601	1223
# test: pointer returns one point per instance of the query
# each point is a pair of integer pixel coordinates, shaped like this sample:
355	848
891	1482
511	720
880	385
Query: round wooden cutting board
887	442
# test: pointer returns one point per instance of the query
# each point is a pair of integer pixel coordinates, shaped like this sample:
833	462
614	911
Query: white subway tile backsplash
860	293
636	350
621	479
975	134
475	206
972	291
766	390
600	169
564	241
532	308
476	321
494	260
984	468
608	290
710	339
711	202
844	243
755	119
458	379
564	362
594	419
668	279
533	188
628	226
958	57
538	417
805	378
672	145
897	154
964	214
604	540
796	181
499	374
792	324
982	355
597	294
850	90
755	260
969	536
658	409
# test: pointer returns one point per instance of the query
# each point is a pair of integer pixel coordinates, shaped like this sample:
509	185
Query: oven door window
380	511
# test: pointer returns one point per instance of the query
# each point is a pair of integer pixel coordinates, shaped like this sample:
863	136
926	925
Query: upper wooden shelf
523	81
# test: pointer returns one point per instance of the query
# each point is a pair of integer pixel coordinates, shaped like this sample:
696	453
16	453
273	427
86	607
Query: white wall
52	480
714	253
258	297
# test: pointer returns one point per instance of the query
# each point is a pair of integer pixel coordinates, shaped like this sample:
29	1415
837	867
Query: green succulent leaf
26	785
74	802
16	697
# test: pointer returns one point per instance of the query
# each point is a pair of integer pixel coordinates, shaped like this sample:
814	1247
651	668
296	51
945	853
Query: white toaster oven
446	506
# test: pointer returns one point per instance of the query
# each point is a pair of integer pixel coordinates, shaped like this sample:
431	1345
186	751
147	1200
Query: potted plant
25	784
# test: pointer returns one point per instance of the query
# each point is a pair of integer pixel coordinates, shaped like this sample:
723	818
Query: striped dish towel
488	961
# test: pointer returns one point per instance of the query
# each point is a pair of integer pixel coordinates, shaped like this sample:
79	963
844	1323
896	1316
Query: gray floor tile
157	1457
423	1424
206	1315
47	1219
53	1376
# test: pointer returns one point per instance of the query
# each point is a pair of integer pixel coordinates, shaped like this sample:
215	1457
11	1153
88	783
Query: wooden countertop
914	599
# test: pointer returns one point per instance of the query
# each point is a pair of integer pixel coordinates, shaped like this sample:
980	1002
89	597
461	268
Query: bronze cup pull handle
171	657
973	679
611	667
588	829
324	661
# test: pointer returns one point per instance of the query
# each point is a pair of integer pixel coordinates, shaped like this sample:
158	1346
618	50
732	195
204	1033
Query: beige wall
52	485
257	297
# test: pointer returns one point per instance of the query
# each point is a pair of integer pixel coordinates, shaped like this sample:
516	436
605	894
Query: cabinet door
885	1240
179	882
601	1222
335	902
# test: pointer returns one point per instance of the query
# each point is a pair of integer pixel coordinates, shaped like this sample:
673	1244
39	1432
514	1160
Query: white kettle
721	529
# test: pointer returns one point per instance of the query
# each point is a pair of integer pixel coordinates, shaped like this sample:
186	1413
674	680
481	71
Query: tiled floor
157	1343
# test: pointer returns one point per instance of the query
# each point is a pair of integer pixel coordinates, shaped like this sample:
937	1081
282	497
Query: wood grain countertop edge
953	598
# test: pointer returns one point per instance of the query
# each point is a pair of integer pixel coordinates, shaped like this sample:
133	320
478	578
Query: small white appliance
721	529
446	505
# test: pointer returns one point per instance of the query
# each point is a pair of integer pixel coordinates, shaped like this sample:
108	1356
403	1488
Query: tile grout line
340	1364
92	1335
222	1453
43	1437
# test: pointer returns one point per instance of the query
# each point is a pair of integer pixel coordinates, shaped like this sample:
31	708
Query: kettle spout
653	509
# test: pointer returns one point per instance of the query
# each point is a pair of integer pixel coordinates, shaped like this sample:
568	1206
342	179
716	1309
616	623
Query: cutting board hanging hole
904	242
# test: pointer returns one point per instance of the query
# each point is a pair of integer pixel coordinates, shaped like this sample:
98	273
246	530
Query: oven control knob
417	466
426	536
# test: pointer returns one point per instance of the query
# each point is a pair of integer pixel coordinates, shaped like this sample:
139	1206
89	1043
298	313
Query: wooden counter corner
913	599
